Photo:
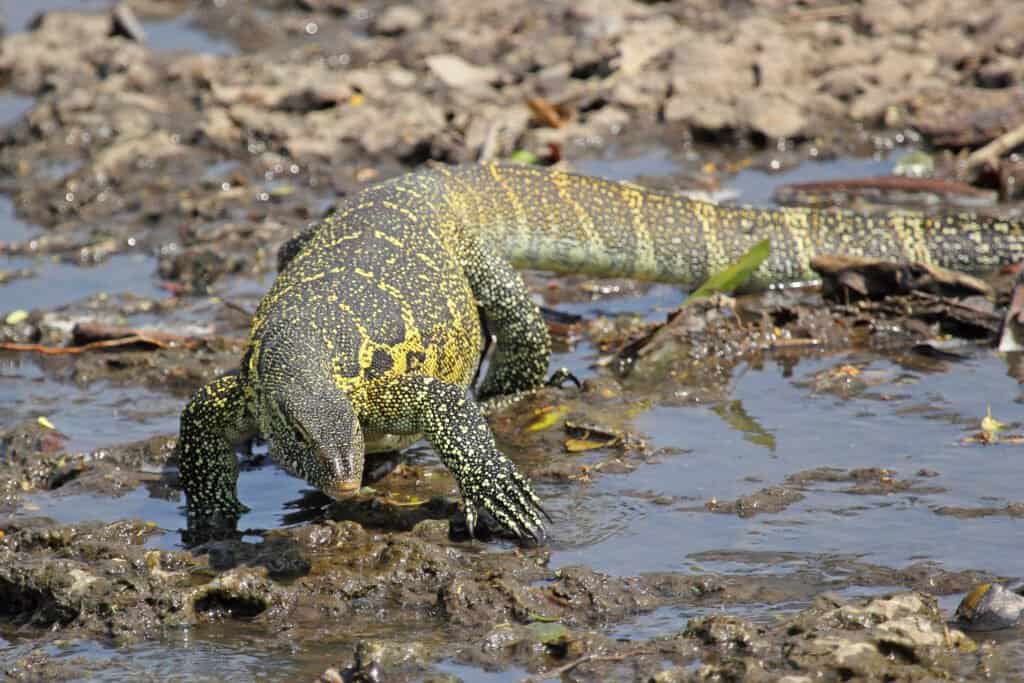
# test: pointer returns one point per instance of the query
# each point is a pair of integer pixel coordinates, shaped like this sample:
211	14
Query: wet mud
798	484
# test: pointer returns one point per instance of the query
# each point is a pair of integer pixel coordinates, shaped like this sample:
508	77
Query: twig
816	13
489	149
546	112
89	332
104	344
237	307
990	153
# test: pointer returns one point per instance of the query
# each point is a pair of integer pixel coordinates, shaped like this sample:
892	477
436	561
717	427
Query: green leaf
543	618
523	156
547	417
15	317
730	279
548	633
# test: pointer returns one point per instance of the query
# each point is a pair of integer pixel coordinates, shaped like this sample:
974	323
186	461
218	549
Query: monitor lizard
370	336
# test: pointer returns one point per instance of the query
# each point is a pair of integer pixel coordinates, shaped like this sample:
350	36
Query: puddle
136	504
13	107
57	283
471	673
755	188
181	34
18	14
220	170
12	228
93	416
60	169
656	162
814	431
276	497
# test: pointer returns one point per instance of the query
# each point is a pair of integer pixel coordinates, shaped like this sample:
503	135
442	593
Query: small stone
990	607
456	72
331	675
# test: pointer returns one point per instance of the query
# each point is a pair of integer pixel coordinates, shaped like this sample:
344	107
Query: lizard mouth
342	489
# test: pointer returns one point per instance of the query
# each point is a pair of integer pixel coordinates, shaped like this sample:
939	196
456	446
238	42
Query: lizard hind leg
521	356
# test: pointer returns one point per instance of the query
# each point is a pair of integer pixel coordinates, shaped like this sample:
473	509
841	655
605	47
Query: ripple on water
180	659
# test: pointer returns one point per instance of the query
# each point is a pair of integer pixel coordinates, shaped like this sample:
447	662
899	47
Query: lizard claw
471	518
507	496
562	375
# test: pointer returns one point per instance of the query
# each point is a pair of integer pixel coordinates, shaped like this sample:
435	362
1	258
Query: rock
709	115
219	128
898	637
645	41
124	23
331	675
727	633
775	116
871	106
887	16
143	150
399	19
1001	72
456	72
990	607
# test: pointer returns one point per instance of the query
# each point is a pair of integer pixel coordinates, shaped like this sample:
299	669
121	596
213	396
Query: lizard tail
552	220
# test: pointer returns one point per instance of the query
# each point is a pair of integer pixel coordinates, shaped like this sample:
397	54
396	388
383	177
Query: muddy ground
156	156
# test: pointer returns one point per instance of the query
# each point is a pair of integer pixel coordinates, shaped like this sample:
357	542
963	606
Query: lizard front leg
215	419
455	426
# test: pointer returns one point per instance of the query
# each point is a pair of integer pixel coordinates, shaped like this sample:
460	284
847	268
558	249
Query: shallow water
176	658
612	524
182	34
815	431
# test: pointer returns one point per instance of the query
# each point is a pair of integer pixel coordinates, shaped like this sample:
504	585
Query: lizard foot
507	496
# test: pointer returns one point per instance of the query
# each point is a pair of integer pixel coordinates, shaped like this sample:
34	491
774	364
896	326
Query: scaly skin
370	336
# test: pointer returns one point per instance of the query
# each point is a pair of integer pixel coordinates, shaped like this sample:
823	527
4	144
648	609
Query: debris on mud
847	278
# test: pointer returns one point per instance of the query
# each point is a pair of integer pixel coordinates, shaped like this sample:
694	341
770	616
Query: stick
990	153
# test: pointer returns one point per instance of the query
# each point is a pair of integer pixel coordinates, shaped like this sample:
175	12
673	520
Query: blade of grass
728	280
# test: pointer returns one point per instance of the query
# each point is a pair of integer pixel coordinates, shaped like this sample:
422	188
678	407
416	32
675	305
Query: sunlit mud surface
789	483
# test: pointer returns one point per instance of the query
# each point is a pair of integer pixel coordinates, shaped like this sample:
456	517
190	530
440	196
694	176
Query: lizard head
318	437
